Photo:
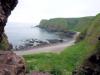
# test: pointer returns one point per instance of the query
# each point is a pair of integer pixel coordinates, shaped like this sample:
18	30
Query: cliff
66	24
10	63
6	6
83	58
91	62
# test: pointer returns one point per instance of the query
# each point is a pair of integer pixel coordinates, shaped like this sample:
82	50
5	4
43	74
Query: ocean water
18	32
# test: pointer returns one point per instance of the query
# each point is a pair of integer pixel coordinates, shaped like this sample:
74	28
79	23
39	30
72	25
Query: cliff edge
10	63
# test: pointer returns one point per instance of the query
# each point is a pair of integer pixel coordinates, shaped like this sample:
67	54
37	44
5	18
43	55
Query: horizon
35	11
35	24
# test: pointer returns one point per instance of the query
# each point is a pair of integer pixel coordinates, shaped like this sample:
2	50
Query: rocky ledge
10	63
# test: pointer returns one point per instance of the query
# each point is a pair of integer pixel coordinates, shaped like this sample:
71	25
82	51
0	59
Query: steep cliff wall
91	64
6	6
10	63
66	24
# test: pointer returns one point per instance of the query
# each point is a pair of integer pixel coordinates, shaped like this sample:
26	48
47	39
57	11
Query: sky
32	11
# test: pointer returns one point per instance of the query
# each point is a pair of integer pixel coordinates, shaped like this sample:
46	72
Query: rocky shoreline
37	43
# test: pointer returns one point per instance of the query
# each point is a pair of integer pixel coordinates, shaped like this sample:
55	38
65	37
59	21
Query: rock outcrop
6	6
10	63
90	67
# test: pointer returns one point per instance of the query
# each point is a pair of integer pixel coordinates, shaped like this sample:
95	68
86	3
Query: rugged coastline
36	43
52	48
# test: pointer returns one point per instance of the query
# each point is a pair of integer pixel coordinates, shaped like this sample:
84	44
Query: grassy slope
63	24
65	62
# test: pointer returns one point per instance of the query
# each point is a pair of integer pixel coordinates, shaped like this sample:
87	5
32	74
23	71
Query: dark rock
91	66
55	41
10	63
6	6
32	43
98	38
95	59
69	34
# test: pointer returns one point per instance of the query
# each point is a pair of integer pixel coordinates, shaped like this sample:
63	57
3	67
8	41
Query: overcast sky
32	11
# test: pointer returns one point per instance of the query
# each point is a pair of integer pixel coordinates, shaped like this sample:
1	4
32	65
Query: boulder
11	64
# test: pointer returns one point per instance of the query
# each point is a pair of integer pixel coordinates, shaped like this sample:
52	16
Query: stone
6	6
11	63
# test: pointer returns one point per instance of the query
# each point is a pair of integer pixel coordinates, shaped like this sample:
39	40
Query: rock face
6	6
90	67
10	63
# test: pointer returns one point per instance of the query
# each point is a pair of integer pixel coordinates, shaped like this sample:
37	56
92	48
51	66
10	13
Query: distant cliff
66	24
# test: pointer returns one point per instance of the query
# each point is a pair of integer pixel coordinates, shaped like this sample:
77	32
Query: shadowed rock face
6	6
90	67
10	63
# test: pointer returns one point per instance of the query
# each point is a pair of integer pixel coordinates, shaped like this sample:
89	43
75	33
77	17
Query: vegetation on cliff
4	44
91	64
72	57
66	24
6	6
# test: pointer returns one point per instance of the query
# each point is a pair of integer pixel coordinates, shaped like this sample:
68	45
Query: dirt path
53	48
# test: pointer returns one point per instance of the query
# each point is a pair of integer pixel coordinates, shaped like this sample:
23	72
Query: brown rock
11	64
6	6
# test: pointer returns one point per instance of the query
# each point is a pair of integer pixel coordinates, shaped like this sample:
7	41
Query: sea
19	32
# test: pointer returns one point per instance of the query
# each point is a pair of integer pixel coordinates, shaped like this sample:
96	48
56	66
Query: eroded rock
6	6
10	63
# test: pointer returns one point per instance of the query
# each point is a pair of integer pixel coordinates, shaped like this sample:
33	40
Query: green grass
4	45
66	24
64	62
